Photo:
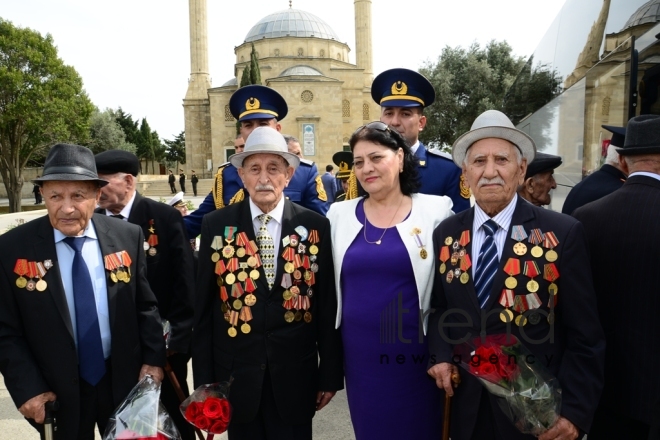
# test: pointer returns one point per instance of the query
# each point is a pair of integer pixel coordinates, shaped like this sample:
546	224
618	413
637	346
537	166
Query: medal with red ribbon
506	300
228	250
20	269
536	238
233	322
512	268
245	316
153	239
313	239
31	273
241	241
466	263
550	241
444	256
551	273
531	270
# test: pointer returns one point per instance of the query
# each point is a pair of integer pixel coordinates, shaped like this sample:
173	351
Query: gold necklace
379	241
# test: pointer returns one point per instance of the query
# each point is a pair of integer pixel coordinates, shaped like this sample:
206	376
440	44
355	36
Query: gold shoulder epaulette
320	189
464	188
352	191
217	188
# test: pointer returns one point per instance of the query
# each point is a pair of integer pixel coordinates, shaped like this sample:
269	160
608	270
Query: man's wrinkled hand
443	373
155	372
561	430
35	407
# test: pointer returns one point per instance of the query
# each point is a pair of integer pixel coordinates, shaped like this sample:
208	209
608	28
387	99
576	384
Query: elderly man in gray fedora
265	301
555	317
78	321
625	224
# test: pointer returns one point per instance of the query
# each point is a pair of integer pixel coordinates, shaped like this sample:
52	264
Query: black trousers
172	188
610	424
179	364
183	186
194	189
268	425
37	198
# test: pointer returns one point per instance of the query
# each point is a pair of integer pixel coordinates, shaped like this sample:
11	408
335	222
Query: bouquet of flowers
140	416
527	393
208	408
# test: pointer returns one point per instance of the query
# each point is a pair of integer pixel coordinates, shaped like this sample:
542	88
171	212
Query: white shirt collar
88	232
503	218
414	147
277	213
645	173
127	209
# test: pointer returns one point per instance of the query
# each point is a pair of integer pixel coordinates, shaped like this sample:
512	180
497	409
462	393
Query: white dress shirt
645	173
126	211
503	220
274	226
91	252
414	147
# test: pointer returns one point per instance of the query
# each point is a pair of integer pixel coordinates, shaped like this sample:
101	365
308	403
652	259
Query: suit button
263	366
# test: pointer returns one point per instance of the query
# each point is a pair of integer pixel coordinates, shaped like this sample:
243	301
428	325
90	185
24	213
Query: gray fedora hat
642	136
265	140
493	124
70	162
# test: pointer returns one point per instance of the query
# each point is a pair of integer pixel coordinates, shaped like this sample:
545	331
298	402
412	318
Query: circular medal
534	318
240	253
464	278
443	268
288	316
237	304
121	275
519	249
230	278
30	285
252	261
456	245
254	274
289	267
294	241
553	289
532	286
224	307
287	295
152	251
537	251
551	255
313	249
145	246
511	282
127	278
295	290
448	241
228	251
310	292
215	257
462	253
297	316
245	328
423	253
22	282
506	316
551	318
521	321
41	285
232	332
308	317
308	275
297	274
113	277
220	282
314	268
242	276
250	300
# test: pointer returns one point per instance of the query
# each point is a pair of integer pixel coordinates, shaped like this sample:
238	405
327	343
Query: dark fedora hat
642	136
70	162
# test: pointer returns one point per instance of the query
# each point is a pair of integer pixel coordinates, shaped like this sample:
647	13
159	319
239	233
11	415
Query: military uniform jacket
575	357
37	346
599	184
440	176
170	269
302	358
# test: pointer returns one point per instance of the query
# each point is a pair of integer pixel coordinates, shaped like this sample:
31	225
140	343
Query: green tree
129	126
176	149
255	71
42	102
106	133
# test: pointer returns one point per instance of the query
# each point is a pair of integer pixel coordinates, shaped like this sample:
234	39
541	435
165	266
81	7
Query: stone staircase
162	188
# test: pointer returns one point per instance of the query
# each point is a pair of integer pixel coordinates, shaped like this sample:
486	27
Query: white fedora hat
493	124
265	140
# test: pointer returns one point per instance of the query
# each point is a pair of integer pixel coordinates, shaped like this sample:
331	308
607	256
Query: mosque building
302	58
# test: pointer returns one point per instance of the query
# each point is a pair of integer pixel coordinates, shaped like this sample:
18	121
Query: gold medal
21	282
232	332
297	316
288	316
250	300
127	278
242	276
215	257
423	253
220	282
308	317
121	275
449	241
537	251
551	255
511	283
313	249
245	328
224	307
307	276
287	295
252	261
230	278
553	289
289	267
519	249
228	251
506	316
521	321
297	274
254	274
152	251
532	286
113	277
41	285
443	268
295	290
464	278
240	253
551	318
237	304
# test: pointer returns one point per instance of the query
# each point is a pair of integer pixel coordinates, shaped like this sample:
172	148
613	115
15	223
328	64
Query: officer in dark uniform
253	106
402	95
344	160
171	179
306	187
194	180
182	181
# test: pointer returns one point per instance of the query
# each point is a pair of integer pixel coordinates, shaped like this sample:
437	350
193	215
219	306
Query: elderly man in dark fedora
78	321
555	316
623	236
539	179
265	304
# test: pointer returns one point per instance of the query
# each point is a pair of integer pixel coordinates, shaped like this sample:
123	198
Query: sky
135	54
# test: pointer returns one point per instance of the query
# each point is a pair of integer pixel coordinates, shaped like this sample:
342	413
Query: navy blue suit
440	176
599	184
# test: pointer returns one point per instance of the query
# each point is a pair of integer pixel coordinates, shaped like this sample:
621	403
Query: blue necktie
488	262
91	361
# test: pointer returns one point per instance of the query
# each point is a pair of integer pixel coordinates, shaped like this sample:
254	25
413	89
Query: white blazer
426	214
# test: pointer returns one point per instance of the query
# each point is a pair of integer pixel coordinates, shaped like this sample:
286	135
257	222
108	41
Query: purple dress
390	395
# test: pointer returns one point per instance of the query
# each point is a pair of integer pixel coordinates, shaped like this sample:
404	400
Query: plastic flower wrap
527	393
208	408
140	416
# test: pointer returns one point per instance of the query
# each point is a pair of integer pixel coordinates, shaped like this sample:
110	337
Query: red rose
212	407
218	427
225	414
507	368
194	409
202	422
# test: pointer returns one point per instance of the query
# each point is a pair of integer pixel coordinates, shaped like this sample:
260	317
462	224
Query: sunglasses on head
376	125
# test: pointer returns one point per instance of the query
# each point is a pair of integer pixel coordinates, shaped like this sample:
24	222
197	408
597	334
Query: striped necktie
266	249
488	262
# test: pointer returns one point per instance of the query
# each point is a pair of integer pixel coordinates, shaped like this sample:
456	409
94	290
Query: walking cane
179	391
49	420
456	379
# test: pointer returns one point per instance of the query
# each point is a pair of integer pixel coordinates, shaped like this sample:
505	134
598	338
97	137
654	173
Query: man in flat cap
78	321
623	236
606	180
258	106
509	243
402	95
265	305
169	262
539	179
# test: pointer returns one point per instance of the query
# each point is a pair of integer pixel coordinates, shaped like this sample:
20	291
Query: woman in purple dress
382	246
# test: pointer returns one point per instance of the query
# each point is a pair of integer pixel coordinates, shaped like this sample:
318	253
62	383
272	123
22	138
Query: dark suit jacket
290	352
575	357
37	347
599	184
623	236
170	272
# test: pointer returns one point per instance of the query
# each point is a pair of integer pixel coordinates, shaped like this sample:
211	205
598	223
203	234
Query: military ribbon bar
21	267
550	240
250	285
550	272
465	263
229	232
313	236
223	294
535	236
533	301
531	269
465	238
242	239
237	290
506	298
444	254
512	267
518	233
220	267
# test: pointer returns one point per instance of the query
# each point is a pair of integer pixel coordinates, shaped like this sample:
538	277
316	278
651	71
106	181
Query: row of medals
40	285
121	275
298	277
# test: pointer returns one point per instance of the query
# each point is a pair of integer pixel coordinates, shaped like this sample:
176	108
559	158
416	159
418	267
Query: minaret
199	81
363	51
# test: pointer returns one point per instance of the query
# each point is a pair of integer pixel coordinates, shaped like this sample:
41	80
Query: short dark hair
382	134
288	139
328	168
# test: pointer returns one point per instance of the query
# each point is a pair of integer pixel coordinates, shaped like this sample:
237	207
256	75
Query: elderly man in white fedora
528	275
265	303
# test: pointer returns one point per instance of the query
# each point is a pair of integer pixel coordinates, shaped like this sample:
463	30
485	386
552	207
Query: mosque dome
649	12
231	82
300	70
293	23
